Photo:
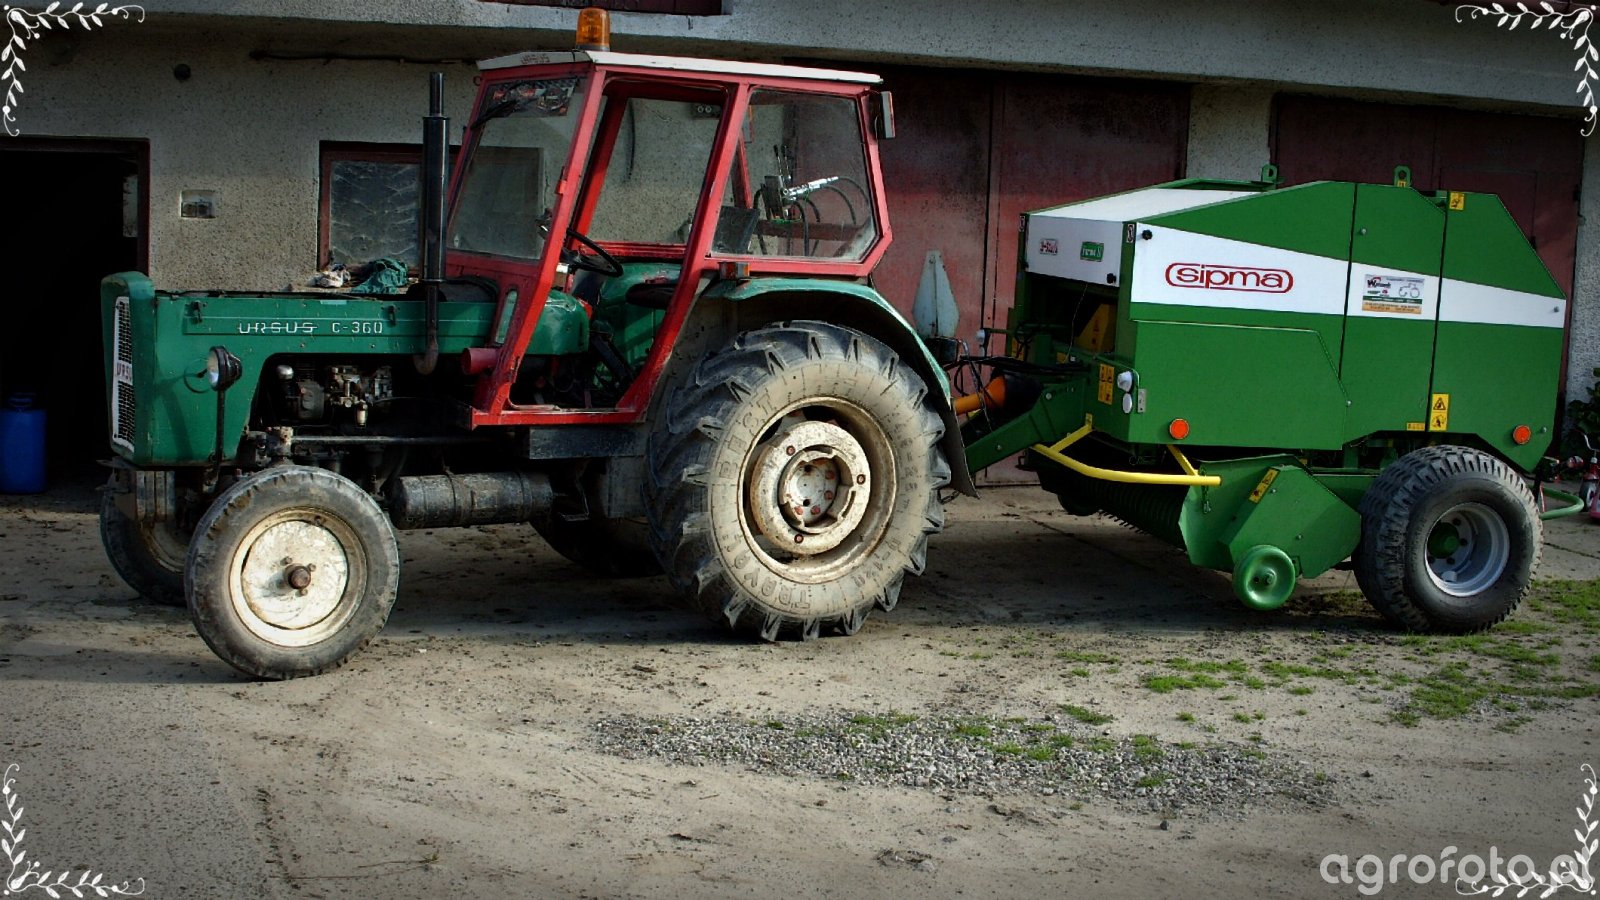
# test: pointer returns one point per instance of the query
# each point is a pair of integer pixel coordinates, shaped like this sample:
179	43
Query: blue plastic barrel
21	446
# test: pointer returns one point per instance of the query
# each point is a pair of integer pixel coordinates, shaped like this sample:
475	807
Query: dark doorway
76	213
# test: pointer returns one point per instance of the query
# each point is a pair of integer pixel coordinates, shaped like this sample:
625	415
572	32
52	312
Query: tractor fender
728	307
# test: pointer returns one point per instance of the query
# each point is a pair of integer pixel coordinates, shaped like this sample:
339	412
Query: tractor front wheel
149	557
291	572
794	480
1450	537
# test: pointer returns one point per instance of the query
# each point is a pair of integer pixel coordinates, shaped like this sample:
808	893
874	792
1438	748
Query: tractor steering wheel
601	261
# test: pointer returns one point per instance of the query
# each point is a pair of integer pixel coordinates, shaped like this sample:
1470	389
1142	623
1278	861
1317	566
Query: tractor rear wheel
1450	537
611	548
291	572
149	557
794	480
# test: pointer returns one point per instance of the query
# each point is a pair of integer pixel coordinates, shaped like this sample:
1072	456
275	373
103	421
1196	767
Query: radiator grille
124	405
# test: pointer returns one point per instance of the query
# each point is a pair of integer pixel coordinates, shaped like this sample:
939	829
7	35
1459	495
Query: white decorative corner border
26	876
1574	25
27	26
1567	872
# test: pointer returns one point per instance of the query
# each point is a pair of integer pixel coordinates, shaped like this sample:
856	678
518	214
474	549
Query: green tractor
644	325
1280	379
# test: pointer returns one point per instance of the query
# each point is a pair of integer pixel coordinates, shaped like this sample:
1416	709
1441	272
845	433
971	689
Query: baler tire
1416	518
269	530
763	414
149	558
610	548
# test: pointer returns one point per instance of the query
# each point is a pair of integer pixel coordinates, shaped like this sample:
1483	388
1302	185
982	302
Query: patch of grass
1146	747
1300	690
1009	748
1521	627
889	720
1085	715
1189	716
1101	745
1041	754
1232	667
1081	673
1449	693
1594	664
775	725
1150	781
1186	745
973	730
1060	741
1083	656
1286	671
1242	717
1166	684
1568	602
1253	683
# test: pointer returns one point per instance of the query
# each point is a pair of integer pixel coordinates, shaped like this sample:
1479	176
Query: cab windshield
525	131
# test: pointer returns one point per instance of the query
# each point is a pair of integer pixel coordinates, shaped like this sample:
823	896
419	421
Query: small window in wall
369	199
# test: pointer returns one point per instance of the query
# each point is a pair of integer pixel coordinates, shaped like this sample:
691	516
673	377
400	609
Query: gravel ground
987	758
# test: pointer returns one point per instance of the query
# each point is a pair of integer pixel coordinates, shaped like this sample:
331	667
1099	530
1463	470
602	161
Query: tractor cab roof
675	63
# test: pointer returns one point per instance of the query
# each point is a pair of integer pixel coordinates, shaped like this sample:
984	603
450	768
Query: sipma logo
1213	277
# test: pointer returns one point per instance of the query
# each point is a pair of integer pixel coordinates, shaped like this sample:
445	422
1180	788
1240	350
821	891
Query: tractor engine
318	394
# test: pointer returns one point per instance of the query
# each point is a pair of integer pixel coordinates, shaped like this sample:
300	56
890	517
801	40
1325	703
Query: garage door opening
76	213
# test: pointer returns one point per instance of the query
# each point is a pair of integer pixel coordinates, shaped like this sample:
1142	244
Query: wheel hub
294	575
1468	550
810	486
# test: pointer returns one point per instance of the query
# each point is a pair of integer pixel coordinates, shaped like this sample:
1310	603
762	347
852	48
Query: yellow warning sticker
1266	482
1416	426
1439	413
1107	376
1458	200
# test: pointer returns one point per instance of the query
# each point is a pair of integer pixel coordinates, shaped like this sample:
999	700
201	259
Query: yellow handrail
1191	478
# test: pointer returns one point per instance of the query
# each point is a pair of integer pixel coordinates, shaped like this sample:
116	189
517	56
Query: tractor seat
652	294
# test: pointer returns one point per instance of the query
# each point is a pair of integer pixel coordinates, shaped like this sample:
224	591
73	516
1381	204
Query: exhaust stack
435	160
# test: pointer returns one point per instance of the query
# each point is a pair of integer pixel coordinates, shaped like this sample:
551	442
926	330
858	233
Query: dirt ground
459	756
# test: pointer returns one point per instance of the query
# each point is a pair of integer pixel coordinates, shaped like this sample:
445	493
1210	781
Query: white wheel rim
297	577
1468	549
811	486
829	437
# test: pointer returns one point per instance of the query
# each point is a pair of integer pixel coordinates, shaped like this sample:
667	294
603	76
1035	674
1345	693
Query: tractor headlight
222	369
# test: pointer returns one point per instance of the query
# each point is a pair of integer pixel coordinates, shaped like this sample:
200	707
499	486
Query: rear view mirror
883	124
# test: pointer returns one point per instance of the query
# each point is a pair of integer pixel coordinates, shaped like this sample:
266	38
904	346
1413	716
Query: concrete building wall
250	131
1377	45
1583	338
1228	129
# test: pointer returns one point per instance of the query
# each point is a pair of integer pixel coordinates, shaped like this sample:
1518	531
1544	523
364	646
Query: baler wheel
1450	537
148	557
794	480
610	548
291	572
